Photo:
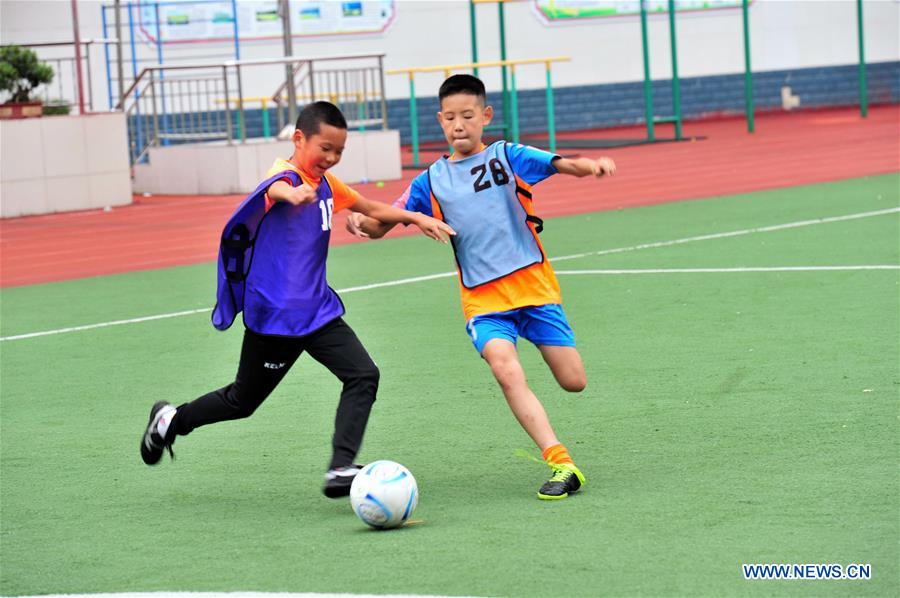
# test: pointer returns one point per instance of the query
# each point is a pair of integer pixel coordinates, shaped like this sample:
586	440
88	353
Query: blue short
541	324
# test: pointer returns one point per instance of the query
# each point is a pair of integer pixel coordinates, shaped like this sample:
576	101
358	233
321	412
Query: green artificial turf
729	418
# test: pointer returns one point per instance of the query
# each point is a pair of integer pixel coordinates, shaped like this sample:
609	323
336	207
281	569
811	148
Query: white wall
63	163
785	34
179	169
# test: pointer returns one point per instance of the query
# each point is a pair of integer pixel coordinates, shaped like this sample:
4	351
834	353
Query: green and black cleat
566	479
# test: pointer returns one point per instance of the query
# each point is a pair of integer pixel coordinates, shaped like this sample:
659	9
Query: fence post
155	141
312	82
414	121
267	132
863	91
106	57
120	74
513	104
384	118
162	75
228	125
77	36
551	125
284	10
676	83
241	128
87	62
474	36
137	91
648	82
748	75
506	107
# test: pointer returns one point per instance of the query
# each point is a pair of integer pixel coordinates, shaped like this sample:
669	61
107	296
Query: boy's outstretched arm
299	195
585	166
369	228
388	215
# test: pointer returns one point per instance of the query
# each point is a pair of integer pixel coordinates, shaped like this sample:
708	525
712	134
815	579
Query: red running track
787	149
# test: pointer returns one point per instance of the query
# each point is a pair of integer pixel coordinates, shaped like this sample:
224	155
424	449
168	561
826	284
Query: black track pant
264	362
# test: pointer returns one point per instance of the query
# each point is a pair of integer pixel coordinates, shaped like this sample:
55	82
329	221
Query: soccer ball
384	494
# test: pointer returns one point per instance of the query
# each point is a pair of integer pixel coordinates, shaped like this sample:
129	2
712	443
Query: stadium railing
511	121
202	102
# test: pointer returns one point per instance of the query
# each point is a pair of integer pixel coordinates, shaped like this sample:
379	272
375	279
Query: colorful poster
557	11
178	21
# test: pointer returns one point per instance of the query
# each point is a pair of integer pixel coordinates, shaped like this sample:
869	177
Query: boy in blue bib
508	288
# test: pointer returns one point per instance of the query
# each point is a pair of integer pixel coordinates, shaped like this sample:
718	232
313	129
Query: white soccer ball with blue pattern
384	494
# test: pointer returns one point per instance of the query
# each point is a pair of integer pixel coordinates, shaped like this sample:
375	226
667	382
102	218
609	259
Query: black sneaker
152	444
566	479
339	480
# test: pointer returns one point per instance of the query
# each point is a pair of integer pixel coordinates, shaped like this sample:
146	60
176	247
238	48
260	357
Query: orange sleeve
272	172
343	196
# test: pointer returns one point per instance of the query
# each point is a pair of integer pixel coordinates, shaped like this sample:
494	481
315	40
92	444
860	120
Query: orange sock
557	454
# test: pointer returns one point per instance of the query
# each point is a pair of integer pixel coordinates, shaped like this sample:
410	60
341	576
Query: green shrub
56	107
21	72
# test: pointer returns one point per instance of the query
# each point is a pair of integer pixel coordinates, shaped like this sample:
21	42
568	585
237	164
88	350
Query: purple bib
272	264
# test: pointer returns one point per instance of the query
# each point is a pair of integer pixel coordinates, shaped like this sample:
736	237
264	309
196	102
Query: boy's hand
434	228
354	222
603	166
585	166
300	195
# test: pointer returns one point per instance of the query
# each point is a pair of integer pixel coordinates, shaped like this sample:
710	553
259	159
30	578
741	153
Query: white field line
404	281
734	233
228	595
105	324
393	283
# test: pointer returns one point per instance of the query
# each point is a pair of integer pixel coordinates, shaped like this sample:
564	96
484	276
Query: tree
21	72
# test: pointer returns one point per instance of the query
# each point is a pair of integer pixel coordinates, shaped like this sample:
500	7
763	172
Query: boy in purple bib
272	268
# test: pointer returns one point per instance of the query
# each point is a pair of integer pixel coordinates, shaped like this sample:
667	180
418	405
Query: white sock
165	418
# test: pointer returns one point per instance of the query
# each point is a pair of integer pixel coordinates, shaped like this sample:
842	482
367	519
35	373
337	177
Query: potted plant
20	73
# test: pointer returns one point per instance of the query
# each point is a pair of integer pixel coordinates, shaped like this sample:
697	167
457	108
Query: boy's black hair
462	84
312	116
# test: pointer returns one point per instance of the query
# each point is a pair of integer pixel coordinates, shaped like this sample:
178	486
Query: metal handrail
69	60
278	94
236	63
511	121
85	42
470	65
182	102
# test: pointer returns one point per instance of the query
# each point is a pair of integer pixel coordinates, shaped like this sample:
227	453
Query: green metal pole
513	105
506	118
748	73
414	124
648	83
267	131
551	125
474	36
863	92
676	83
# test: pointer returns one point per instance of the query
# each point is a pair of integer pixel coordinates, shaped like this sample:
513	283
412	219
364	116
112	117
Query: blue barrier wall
597	106
610	105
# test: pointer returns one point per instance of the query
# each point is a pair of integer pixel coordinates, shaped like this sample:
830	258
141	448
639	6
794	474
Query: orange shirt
344	196
534	285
